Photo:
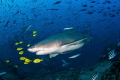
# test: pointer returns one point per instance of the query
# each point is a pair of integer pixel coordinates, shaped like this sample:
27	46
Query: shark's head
37	50
42	49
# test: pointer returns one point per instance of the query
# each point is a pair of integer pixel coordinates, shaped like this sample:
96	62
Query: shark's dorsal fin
53	55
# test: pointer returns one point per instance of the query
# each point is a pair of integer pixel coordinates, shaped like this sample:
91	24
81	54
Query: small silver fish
27	28
74	56
70	28
111	54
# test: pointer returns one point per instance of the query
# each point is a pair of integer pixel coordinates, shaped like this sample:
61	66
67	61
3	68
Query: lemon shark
60	43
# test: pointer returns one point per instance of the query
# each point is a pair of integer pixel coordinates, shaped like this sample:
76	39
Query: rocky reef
8	72
106	69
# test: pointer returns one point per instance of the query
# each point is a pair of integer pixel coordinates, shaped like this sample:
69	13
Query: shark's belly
47	51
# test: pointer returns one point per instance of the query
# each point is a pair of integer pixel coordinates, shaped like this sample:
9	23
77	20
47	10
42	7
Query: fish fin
75	42
53	55
64	63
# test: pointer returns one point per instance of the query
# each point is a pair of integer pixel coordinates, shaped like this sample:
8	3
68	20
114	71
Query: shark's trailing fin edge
53	55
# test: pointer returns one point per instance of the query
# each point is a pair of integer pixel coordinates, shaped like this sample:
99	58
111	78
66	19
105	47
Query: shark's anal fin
53	55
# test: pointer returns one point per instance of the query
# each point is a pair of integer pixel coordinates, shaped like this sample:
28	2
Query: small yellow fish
22	58
15	65
37	60
19	48
35	32
20	42
16	43
28	45
26	63
28	60
21	52
7	61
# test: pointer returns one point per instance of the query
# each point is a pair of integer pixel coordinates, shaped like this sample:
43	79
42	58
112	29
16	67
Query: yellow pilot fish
37	60
23	58
28	45
26	63
7	61
21	52
28	60
35	32
17	43
19	48
16	66
20	42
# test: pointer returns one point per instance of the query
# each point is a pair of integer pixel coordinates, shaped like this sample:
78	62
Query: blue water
17	15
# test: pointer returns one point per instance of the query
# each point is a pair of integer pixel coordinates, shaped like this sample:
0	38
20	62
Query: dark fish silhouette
90	12
91	6
58	2
112	15
99	11
52	9
108	1
108	8
83	10
84	5
93	1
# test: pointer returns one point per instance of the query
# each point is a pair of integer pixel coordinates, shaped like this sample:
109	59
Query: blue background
17	15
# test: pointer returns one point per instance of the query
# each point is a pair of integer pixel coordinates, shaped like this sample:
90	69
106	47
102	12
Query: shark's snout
31	50
40	52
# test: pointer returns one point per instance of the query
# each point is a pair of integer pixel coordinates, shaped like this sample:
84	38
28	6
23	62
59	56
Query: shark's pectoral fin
53	55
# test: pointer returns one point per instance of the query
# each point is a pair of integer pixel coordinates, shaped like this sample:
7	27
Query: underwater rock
113	73
7	72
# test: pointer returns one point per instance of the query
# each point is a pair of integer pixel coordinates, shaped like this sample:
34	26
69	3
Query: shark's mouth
37	52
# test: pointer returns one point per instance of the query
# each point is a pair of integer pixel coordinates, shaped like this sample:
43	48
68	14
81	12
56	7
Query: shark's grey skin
60	43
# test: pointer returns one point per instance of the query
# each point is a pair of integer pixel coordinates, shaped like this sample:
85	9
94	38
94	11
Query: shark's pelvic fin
53	55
